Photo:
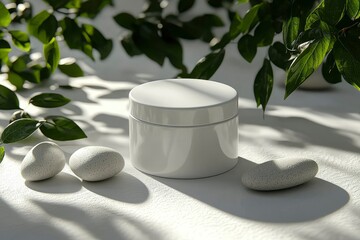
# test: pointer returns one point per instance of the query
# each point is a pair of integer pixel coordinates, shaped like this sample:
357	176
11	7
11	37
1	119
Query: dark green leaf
264	33
351	41
235	26
8	99
306	63
52	54
247	47
91	8
315	16
225	40
279	55
291	28
49	100
185	5
263	84
334	10
207	66
347	65
21	40
69	67
174	52
125	20
353	9
129	46
2	153
61	129
72	33
329	70
250	19
5	18
150	43
43	26
19	130
16	80
56	4
98	41
4	50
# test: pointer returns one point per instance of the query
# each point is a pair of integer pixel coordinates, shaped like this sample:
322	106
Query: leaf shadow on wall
306	202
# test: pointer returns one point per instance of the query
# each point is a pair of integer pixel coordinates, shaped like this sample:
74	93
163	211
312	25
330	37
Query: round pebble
280	174
43	161
94	163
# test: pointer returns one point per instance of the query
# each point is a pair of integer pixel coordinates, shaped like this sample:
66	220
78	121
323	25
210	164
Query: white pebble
95	163
43	161
280	174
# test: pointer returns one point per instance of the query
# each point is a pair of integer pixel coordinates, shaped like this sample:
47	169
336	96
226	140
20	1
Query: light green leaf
306	63
5	18
52	54
21	40
5	48
250	18
8	99
353	9
19	130
263	84
291	28
43	26
16	80
49	100
61	129
235	26
2	153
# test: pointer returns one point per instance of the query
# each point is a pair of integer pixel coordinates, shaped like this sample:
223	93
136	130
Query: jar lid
183	102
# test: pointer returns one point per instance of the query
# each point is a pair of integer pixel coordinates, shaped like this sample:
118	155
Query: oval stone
95	163
43	161
280	174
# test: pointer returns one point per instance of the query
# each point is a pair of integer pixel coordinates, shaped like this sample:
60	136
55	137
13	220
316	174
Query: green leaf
72	33
20	114
21	40
49	100
353	9
347	65
247	47
250	19
2	153
98	41
5	18
150	43
126	20
207	66
5	48
291	28
225	40
329	70
43	26
263	84
235	26
56	4
185	5
19	130
306	63
279	55
264	33
351	41
8	99
334	10
69	67
16	80
61	129
52	54
315	16
129	46
91	8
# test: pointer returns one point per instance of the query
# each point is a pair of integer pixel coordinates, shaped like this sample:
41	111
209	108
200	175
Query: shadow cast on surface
122	187
113	122
306	202
304	131
61	183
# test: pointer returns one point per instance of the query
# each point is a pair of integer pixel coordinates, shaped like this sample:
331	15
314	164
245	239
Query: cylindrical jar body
183	128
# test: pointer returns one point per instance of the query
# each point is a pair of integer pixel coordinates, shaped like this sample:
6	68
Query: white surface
324	126
185	102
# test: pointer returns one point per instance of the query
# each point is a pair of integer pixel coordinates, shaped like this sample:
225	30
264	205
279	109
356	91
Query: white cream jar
183	128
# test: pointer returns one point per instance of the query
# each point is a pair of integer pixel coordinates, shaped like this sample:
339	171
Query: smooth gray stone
280	174
94	163
43	161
